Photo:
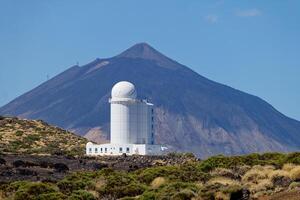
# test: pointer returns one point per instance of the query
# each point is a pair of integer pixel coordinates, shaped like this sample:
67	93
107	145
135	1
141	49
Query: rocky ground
53	168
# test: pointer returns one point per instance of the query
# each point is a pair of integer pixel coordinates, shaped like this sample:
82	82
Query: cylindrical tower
123	113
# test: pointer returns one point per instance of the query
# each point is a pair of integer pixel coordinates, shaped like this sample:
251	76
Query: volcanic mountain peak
192	113
145	51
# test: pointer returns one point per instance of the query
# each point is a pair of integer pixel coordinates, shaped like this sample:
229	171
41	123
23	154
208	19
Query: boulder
61	167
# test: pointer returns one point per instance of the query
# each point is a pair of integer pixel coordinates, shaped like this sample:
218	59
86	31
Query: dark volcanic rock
61	167
53	168
281	181
2	161
18	163
243	194
192	114
26	172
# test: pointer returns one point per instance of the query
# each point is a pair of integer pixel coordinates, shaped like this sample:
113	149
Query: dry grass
288	167
222	172
259	179
278	173
157	182
262	186
295	173
223	181
256	174
221	196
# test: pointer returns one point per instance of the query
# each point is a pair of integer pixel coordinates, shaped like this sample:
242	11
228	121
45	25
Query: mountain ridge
192	112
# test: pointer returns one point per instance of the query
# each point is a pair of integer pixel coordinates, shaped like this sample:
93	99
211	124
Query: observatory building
131	125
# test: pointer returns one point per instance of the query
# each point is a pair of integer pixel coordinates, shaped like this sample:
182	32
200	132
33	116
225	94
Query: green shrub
186	173
81	195
149	174
19	133
33	191
184	194
76	181
220	161
120	184
293	158
52	196
177	190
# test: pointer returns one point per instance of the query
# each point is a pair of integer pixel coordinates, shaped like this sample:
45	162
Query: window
120	149
152	118
127	150
105	149
101	150
96	150
90	150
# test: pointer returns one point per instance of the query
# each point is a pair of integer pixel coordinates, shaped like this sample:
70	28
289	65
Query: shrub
294	185
280	178
120	184
81	195
288	167
228	173
185	173
223	181
254	175
32	191
19	133
157	182
52	196
262	185
295	173
68	186
184	194
176	190
149	174
76	181
293	158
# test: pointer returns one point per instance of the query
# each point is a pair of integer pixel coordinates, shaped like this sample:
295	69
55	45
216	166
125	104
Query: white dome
89	144
123	89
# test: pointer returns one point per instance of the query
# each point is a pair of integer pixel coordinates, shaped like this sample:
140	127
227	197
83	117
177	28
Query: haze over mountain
192	112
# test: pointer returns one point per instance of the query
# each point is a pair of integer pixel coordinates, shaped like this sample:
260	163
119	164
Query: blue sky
250	45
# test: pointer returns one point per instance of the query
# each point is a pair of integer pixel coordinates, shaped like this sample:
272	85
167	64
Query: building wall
131	122
119	149
120	122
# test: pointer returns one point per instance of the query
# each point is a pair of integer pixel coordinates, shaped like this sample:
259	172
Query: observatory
131	125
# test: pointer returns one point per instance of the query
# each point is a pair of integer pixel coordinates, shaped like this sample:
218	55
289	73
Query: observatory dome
123	89
89	144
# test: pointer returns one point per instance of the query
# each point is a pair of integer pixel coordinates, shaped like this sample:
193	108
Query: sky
253	45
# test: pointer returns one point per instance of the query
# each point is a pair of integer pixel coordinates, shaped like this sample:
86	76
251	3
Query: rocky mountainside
19	136
193	113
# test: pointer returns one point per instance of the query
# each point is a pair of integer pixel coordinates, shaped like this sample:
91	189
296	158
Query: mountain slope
19	136
192	113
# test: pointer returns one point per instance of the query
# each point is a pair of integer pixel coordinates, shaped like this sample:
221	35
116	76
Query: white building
131	125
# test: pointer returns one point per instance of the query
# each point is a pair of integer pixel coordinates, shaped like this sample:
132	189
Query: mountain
19	136
192	112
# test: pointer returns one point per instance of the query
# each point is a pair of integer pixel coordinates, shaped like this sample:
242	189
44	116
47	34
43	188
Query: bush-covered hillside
37	137
271	176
